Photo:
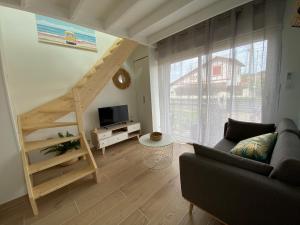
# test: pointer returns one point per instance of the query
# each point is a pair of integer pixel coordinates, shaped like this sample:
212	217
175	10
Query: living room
139	112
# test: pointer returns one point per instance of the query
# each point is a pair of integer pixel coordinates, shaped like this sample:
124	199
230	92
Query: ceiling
145	21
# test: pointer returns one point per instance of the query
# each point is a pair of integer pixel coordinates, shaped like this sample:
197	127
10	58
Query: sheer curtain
225	67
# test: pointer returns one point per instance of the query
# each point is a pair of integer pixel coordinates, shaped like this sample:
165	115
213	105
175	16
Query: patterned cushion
257	148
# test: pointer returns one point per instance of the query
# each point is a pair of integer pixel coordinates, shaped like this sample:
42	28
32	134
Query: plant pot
70	162
155	136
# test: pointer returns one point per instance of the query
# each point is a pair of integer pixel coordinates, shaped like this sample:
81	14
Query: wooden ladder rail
88	156
28	177
83	141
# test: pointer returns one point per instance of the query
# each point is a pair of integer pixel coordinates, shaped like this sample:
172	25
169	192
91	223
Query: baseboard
17	202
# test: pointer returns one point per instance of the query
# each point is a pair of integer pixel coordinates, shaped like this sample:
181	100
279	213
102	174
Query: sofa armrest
234	160
237	196
288	171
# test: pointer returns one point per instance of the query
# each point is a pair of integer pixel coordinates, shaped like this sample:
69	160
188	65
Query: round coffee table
157	154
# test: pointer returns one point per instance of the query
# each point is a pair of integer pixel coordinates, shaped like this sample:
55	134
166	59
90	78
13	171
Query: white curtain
225	67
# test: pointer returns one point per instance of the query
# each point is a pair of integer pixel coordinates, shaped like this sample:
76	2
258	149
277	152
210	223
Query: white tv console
104	137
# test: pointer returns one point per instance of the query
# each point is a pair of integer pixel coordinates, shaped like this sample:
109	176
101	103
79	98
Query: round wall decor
121	79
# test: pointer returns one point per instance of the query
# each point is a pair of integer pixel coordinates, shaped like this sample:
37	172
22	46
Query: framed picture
58	32
296	20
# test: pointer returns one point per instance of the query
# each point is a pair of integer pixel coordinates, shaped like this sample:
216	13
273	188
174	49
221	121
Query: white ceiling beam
24	3
158	15
47	8
16	4
200	16
75	7
117	13
91	23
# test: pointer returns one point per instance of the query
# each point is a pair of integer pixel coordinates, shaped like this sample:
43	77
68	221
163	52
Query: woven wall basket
122	79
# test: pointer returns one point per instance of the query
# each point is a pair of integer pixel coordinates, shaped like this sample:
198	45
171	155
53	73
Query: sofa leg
191	208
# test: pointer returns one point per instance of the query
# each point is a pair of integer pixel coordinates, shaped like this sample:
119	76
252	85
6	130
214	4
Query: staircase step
67	97
47	125
106	56
91	72
108	53
46	164
61	181
56	110
82	82
119	41
35	145
114	47
99	64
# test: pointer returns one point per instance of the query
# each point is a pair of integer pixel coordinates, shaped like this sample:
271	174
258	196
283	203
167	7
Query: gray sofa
240	191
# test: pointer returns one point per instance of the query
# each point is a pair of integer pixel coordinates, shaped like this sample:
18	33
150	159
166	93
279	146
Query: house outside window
217	70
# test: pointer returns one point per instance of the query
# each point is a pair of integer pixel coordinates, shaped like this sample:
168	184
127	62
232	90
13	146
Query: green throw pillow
257	148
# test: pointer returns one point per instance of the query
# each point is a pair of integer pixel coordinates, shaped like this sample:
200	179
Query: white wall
111	96
38	72
11	171
140	64
290	91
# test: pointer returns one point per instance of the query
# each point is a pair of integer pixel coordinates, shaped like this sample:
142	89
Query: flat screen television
113	115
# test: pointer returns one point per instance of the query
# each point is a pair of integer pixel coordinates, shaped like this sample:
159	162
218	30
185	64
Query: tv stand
114	125
106	136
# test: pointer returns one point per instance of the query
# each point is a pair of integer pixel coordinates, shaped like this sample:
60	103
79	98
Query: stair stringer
88	87
108	66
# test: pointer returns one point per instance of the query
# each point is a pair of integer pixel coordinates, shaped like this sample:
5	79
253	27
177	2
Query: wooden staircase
88	87
46	115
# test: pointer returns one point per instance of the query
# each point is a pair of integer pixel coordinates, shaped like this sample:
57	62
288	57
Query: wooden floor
129	194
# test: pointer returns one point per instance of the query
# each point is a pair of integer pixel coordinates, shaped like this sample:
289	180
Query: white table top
165	141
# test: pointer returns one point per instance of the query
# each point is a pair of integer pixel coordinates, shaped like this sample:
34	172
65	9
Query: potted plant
63	148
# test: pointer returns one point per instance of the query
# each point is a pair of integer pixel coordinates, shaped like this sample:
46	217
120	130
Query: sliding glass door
227	66
204	90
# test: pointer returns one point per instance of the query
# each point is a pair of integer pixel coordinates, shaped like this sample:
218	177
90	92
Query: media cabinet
104	137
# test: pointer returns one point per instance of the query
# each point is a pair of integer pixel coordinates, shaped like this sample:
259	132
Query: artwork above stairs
46	116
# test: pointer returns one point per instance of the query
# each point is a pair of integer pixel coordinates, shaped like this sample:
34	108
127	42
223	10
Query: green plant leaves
63	147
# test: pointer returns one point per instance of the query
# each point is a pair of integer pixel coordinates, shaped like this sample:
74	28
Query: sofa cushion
238	130
257	148
288	171
286	147
237	161
225	145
